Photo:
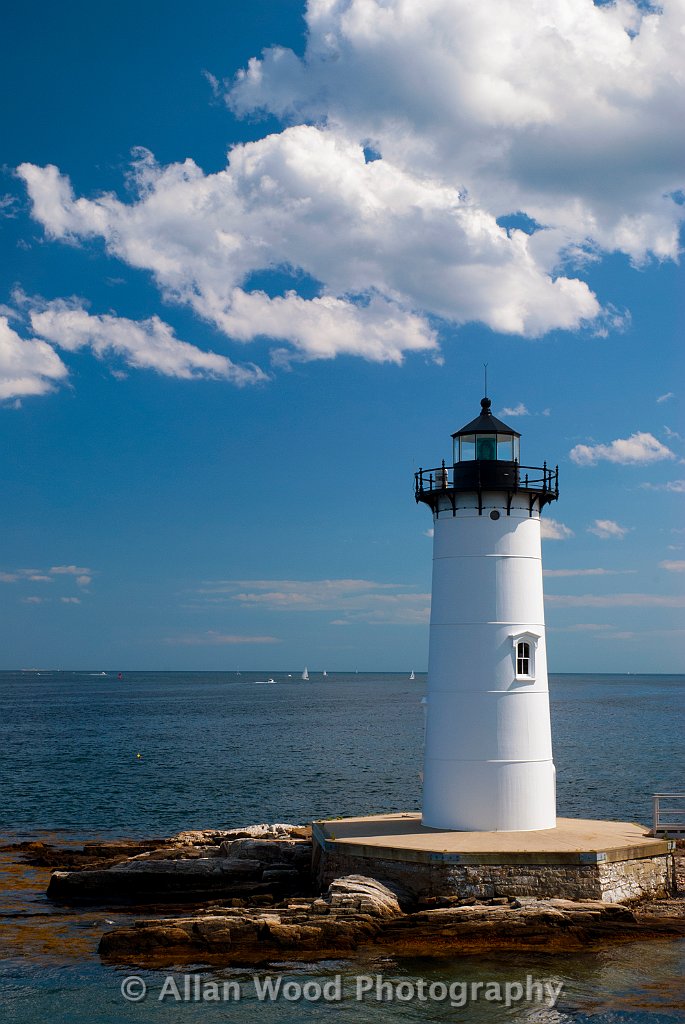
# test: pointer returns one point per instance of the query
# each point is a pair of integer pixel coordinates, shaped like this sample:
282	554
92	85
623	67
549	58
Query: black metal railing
482	474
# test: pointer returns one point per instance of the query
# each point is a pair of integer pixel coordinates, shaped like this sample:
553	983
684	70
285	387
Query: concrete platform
579	859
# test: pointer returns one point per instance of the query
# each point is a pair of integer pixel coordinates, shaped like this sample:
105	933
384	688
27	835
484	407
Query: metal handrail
663	815
441	478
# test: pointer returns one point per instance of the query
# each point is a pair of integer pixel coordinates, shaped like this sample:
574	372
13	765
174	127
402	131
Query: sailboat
412	676
325	673
305	674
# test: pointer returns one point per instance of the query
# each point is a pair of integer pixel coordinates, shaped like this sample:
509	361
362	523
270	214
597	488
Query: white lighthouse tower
488	753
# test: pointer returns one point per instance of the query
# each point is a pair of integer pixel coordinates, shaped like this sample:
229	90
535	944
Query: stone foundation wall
618	882
628	880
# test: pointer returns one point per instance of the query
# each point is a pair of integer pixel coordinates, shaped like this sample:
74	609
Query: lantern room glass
486	447
465	448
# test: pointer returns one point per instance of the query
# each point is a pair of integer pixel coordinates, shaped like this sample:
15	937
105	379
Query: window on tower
524	650
523	658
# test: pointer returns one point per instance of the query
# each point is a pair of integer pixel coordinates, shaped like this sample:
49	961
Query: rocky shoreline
247	896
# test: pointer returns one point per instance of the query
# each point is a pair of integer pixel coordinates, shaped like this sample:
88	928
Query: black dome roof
486	423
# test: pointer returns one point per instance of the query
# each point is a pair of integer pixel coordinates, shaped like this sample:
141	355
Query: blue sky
218	374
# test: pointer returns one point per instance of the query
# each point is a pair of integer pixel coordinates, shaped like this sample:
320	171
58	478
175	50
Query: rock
269	850
252	890
91	855
159	880
335	925
281	876
364	896
193	866
264	831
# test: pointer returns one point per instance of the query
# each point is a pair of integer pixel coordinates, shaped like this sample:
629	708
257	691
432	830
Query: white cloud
673	486
551	529
27	366
531	108
580	627
607	529
213	638
637	449
8	205
149	344
587	572
516	410
359	600
616	600
83	575
476	112
665	398
672	566
382	242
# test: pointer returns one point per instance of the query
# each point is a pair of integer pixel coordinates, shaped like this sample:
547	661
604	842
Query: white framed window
523	658
524	647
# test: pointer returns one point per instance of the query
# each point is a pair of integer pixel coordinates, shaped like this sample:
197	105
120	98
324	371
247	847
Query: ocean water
218	751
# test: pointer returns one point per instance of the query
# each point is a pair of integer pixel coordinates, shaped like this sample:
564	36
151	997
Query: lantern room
486	439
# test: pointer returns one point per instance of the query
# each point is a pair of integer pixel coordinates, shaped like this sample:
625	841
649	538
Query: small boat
412	676
264	682
305	674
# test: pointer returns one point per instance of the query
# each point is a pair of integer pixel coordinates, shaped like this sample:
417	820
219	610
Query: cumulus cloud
533	108
552	529
144	344
381	241
607	529
359	600
516	410
442	161
28	366
635	450
672	566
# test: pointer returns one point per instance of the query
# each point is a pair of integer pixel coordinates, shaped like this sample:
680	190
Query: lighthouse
488	827
488	749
